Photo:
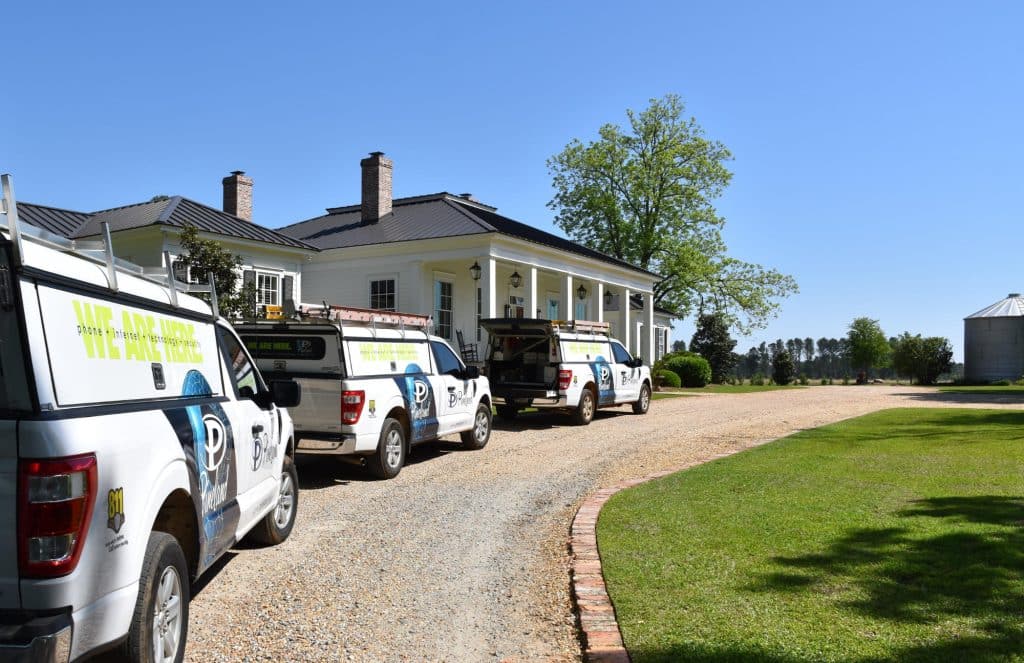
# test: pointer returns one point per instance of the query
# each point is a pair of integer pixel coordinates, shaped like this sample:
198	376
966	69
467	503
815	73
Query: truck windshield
14	390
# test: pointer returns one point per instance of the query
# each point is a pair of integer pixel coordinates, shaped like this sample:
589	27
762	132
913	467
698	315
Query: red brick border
602	639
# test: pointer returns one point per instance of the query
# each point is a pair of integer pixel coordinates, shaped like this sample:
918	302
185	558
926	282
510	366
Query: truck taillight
55	501
564	378
352	406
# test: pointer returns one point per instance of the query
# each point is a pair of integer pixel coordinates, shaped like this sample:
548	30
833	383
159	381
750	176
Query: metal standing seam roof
58	221
1011	307
428	217
179	212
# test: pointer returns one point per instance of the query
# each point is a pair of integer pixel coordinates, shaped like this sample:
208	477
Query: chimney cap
238	172
376	154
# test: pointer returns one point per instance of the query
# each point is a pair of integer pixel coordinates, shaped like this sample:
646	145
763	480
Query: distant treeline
815	359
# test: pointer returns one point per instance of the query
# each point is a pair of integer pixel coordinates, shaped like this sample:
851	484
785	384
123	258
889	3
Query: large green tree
712	341
923	359
645	195
868	346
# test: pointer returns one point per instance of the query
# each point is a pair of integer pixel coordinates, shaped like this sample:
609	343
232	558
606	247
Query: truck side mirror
638	362
286	393
470	373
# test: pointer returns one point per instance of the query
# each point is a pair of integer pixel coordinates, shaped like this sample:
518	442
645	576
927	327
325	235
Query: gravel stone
464	556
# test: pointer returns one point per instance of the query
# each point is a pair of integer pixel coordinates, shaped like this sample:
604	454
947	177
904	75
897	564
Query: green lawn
1014	390
738	388
896	536
658	395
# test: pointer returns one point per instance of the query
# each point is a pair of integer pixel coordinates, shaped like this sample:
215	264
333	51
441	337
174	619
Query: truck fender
172	477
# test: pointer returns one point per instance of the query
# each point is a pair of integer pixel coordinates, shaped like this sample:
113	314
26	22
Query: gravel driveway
463	557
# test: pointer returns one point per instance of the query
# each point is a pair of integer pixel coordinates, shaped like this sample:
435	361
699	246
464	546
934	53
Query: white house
141	233
457	259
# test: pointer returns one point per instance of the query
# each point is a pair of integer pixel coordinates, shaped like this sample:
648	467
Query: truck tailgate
320	408
9	596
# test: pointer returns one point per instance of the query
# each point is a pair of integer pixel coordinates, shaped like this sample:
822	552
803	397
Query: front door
255	431
454	395
626	378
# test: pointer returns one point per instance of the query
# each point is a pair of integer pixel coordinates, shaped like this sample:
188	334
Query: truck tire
644	402
585	409
387	461
507	411
477	436
277	525
159	625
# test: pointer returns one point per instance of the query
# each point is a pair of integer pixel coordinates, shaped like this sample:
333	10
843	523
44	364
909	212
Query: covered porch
461	291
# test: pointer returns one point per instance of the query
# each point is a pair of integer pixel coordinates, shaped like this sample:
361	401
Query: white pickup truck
374	383
571	365
138	443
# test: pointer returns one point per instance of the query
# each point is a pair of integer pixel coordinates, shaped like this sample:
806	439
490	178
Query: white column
567	294
648	338
599	299
627	324
531	292
488	282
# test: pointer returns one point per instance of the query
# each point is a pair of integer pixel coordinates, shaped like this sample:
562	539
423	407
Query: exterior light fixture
608	297
475	271
581	292
515	280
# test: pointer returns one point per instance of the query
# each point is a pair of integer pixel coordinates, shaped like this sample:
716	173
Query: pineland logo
216	443
420	391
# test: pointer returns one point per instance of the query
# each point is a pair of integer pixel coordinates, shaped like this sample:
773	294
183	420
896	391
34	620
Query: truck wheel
277	525
477	436
507	411
160	623
585	410
387	461
644	402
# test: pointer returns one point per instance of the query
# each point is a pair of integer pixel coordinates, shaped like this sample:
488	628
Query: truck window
447	362
14	391
243	373
621	356
286	347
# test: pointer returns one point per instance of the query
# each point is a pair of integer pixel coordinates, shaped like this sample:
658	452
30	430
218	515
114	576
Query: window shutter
248	276
288	296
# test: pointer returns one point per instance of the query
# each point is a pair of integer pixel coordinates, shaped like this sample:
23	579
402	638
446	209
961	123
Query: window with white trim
268	289
382	294
444	308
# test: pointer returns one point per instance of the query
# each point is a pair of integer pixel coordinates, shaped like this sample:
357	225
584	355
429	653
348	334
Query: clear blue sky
877	145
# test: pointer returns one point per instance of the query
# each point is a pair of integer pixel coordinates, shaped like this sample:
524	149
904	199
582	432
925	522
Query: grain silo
994	341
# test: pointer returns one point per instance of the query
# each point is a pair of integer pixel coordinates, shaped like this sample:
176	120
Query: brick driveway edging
602	639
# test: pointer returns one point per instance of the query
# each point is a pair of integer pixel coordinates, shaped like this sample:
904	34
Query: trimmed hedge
692	369
668	378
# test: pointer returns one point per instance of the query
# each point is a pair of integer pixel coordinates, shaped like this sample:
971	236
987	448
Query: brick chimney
238	195
376	202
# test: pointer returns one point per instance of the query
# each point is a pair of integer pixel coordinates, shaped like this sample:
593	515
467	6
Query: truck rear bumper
327	446
537	399
35	639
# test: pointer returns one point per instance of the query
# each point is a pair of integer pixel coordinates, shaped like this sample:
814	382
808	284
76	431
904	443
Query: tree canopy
869	348
924	359
645	195
712	341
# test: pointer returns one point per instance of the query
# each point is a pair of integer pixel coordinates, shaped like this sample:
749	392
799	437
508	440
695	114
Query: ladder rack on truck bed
372	317
100	252
585	326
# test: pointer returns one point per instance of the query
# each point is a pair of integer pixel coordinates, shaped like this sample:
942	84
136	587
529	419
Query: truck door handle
451	390
257	429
